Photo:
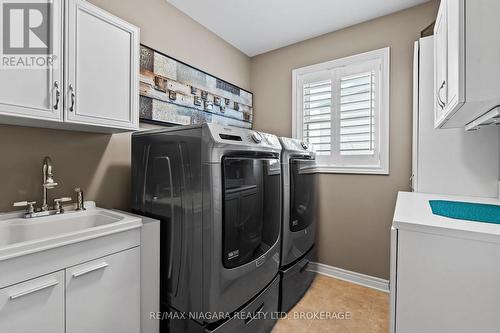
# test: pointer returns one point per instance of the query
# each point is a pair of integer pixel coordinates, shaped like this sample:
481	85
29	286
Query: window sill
363	171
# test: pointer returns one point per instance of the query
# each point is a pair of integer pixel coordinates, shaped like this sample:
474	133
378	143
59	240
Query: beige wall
355	211
99	163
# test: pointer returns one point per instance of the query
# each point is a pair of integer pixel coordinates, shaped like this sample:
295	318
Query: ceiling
258	26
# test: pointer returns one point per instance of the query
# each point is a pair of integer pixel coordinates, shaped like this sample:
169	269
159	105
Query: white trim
382	54
349	276
353	170
414	150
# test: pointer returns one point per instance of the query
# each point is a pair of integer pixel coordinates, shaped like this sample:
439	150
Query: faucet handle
57	203
28	204
63	199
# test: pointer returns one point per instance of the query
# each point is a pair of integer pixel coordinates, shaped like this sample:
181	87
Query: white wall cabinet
441	157
466	68
104	295
93	85
36	305
101	68
31	95
440	61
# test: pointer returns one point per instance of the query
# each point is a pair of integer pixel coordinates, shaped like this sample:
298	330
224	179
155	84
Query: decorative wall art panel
173	93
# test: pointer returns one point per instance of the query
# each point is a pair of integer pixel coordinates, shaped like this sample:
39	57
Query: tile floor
368	309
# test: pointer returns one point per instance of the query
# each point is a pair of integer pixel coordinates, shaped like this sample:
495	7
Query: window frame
327	164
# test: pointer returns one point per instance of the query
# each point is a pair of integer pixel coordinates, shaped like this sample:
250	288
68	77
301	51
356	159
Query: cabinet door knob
58	95
72	93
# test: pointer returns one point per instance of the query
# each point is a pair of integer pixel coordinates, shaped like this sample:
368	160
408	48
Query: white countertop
413	212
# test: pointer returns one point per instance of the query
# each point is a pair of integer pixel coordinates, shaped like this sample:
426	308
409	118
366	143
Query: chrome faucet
47	184
47	181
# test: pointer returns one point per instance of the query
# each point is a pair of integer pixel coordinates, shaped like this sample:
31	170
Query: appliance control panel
296	145
242	136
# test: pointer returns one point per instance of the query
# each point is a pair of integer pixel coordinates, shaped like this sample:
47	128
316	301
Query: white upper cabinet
31	92
102	68
467	68
440	55
92	84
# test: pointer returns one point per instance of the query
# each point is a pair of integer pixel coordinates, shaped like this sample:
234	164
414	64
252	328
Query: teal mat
466	211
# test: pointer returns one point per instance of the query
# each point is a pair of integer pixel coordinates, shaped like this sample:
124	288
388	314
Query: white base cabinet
91	285
103	295
99	296
446	284
93	82
444	272
36	305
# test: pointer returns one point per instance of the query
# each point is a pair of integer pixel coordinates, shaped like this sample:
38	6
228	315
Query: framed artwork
174	93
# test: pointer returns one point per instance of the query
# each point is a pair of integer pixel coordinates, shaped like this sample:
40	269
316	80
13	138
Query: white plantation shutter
357	119
317	112
341	109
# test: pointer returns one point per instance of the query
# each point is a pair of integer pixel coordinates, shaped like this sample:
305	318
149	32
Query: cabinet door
101	68
33	306
103	296
455	17
440	64
446	284
31	90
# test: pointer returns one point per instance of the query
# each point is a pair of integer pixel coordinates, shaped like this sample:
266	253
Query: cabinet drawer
103	295
295	281
257	316
33	306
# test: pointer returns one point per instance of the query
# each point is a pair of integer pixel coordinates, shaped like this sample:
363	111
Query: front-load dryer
298	162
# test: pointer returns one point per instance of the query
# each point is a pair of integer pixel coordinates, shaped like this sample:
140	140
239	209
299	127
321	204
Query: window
341	108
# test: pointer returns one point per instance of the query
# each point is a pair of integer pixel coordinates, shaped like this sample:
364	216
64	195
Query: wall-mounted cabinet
92	84
466	71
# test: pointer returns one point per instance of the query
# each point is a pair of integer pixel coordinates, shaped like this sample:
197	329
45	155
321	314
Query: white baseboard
353	277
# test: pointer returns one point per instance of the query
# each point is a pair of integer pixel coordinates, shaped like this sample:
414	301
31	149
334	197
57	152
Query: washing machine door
299	225
243	248
302	194
250	208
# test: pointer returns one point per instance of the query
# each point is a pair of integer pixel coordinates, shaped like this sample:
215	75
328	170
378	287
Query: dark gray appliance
217	192
299	220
